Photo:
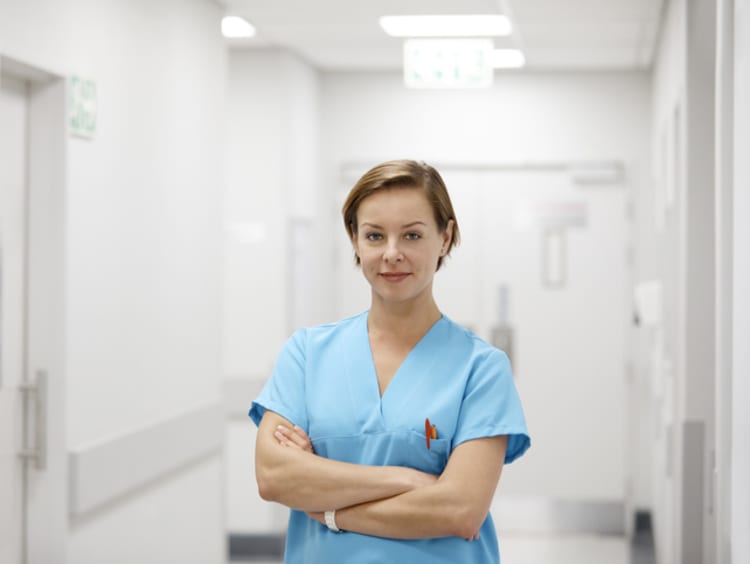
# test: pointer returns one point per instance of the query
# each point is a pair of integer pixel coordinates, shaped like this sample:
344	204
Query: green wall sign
81	107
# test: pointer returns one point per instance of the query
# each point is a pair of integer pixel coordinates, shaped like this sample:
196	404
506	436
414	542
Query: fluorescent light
235	26
506	59
446	26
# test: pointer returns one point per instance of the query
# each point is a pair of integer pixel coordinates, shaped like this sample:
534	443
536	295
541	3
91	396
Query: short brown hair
403	174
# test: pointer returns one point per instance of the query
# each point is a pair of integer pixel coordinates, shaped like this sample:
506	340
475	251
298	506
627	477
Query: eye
373	236
413	236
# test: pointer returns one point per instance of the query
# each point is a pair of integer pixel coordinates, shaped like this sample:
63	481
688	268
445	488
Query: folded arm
299	479
455	505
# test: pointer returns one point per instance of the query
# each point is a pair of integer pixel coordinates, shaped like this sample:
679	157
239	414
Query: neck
403	319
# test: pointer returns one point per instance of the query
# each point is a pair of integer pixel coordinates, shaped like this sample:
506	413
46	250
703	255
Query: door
13	142
542	272
33	456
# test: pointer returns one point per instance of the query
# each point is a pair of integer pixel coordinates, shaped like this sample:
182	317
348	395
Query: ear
447	236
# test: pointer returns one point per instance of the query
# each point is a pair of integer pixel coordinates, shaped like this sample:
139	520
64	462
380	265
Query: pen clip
430	431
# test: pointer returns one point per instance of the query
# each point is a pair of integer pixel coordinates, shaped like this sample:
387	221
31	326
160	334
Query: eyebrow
405	226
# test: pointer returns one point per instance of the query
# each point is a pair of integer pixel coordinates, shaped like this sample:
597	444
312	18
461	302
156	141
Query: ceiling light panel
446	26
235	26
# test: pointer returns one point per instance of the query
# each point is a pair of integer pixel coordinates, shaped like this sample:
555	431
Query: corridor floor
520	548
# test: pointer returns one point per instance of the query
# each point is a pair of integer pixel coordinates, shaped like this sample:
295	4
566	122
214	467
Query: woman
386	432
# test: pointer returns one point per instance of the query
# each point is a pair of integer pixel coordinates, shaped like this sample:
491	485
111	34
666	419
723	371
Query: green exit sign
448	63
81	107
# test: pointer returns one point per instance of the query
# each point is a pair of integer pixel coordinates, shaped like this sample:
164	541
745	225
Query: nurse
386	433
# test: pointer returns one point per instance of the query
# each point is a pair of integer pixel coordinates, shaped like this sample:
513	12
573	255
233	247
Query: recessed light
465	25
235	26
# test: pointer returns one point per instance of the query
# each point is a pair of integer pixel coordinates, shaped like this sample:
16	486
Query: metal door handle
38	389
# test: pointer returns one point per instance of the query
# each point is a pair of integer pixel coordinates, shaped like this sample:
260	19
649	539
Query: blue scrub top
324	381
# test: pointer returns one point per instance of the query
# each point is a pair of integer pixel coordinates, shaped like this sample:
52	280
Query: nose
393	253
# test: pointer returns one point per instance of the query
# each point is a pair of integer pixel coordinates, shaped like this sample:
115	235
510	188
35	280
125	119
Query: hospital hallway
547	548
172	242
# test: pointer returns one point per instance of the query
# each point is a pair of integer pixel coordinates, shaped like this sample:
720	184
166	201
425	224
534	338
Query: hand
296	438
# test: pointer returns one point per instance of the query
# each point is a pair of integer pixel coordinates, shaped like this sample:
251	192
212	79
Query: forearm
429	512
456	505
301	480
308	482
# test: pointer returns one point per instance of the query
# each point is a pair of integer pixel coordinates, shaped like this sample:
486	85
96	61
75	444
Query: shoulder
323	333
479	350
311	341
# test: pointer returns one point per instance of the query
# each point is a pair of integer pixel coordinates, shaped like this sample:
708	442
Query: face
398	243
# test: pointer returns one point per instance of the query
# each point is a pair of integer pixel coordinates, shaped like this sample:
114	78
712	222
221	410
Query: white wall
176	519
271	279
659	242
555	116
523	118
272	178
740	494
143	250
686	229
144	213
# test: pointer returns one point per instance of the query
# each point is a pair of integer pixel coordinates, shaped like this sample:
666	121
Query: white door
33	489
547	257
13	117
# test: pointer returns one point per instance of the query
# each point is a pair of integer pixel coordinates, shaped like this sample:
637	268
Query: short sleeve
284	392
491	406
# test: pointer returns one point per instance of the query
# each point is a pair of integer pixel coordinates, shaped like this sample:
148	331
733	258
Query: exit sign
448	63
81	107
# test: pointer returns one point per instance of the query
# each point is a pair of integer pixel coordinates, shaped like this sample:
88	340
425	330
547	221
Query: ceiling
553	34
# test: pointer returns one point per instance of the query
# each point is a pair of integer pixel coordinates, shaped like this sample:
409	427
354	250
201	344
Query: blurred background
169	214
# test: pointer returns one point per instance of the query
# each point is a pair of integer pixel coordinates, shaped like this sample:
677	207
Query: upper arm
284	392
268	452
266	428
473	472
491	406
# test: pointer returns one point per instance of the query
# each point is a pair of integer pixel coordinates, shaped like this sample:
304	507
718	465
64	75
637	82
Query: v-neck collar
364	388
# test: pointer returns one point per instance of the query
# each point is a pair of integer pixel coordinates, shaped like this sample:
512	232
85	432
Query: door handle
38	391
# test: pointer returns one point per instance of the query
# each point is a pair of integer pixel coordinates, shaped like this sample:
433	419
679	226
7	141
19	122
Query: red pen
430	431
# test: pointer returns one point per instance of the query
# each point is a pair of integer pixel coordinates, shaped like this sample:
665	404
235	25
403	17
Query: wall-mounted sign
81	107
448	63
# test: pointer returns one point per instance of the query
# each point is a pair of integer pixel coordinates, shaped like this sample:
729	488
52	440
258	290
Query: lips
394	276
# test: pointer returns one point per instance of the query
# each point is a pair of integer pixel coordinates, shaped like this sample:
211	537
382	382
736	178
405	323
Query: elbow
466	521
266	488
265	491
463	514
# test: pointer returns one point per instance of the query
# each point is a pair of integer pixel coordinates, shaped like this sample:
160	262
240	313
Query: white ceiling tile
591	59
344	34
583	33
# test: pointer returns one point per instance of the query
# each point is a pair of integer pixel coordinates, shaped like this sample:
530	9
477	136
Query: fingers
294	438
301	432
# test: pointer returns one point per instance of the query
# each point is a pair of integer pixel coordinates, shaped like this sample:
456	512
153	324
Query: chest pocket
390	448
